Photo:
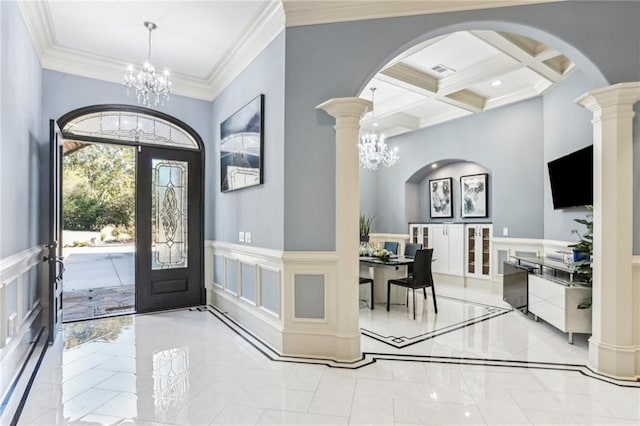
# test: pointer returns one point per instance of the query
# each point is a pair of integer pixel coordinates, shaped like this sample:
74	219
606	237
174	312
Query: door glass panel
169	214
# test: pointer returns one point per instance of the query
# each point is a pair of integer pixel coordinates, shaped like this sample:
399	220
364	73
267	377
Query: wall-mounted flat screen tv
571	179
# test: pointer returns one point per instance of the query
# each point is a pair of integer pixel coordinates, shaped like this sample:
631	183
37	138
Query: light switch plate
247	237
505	232
241	237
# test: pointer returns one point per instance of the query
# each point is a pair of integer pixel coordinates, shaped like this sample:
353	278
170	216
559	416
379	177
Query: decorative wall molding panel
287	299
20	310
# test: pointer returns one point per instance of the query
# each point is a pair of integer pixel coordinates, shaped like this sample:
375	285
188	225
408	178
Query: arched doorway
168	158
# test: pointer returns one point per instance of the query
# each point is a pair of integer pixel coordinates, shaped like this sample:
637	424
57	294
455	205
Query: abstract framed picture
441	198
474	193
242	147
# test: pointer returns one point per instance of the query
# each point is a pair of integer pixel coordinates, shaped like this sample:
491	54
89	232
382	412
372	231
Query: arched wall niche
417	200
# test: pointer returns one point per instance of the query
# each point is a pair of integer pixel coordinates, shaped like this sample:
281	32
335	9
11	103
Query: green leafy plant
365	224
584	247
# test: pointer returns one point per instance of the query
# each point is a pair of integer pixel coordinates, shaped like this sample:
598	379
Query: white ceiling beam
411	76
441	118
311	12
519	54
546	54
469	98
406	121
524	93
489	69
386	108
407	77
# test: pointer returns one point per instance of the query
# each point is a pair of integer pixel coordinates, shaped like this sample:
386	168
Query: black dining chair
421	278
392	246
364	280
410	249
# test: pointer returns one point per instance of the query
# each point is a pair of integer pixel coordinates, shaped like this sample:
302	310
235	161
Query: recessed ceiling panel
191	37
457	51
515	81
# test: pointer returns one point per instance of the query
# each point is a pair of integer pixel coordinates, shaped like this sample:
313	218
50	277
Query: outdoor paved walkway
98	281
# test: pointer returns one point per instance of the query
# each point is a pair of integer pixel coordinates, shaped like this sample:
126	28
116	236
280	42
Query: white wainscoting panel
287	299
246	283
20	310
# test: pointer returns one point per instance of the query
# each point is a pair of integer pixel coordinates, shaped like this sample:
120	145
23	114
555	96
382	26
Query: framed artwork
241	147
441	198
474	193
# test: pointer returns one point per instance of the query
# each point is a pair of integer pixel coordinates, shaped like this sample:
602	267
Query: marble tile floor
513	336
189	368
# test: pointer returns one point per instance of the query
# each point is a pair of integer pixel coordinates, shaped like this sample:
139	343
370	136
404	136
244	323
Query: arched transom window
129	126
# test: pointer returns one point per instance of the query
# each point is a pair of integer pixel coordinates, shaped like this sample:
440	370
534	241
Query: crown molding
312	12
264	26
37	18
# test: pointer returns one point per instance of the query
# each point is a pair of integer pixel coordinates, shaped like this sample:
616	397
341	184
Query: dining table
382	270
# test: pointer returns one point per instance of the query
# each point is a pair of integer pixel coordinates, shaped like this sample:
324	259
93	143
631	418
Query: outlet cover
505	232
241	237
247	237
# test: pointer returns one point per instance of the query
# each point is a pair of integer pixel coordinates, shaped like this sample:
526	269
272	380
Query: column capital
346	107
616	95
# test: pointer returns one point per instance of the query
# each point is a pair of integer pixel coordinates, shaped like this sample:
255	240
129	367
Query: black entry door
169	229
54	258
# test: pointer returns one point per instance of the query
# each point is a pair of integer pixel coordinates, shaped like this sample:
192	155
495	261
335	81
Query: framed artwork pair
473	194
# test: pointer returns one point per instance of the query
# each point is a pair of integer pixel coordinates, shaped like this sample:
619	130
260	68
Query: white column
347	112
612	350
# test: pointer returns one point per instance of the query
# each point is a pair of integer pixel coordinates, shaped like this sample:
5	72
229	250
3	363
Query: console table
554	296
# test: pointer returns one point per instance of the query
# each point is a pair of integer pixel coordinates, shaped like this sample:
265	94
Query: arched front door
169	194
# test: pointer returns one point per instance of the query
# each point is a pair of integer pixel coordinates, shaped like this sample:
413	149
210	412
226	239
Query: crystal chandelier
373	149
147	82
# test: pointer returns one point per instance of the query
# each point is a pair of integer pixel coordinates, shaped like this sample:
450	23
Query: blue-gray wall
62	93
257	209
567	128
454	171
20	134
506	141
337	60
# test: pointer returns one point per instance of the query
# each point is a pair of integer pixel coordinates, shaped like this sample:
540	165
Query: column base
308	344
620	362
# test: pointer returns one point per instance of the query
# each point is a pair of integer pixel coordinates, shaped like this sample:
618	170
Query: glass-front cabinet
478	250
419	233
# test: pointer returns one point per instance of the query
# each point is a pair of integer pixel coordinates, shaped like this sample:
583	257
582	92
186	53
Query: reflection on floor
194	368
98	281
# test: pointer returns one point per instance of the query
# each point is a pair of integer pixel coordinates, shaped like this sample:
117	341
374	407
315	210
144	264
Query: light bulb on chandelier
372	147
147	83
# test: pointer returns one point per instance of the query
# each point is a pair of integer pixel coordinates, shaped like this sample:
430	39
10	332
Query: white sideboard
557	304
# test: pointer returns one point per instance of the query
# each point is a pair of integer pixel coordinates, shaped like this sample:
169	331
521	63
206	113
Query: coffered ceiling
460	74
206	43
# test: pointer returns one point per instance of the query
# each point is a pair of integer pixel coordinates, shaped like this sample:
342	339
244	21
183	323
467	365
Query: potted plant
582	254
365	227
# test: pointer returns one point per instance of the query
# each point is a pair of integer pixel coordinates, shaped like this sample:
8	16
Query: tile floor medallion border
369	358
400	342
39	340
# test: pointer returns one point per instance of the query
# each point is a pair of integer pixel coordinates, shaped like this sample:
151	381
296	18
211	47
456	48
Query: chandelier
147	82
372	147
